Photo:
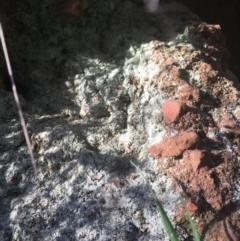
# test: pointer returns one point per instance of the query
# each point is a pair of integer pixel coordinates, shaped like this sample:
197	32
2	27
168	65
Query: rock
196	159
172	110
174	146
100	81
212	33
192	208
190	94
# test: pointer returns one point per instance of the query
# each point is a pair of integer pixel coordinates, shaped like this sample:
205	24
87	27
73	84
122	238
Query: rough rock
174	146
197	158
225	13
171	111
190	94
97	86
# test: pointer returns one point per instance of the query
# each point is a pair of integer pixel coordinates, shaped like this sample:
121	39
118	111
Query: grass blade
194	230
167	224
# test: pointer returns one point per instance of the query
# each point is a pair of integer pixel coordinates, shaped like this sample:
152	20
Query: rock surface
226	14
99	83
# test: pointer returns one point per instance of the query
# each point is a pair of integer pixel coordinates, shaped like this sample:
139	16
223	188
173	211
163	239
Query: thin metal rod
15	94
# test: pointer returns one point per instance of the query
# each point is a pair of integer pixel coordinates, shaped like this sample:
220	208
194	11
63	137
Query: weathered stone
171	111
190	94
192	207
96	105
196	159
174	146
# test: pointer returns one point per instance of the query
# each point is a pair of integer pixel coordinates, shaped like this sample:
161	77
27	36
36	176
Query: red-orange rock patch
171	111
174	146
195	159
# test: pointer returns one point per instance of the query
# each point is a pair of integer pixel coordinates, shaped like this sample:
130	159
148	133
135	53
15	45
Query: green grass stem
194	230
167	224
